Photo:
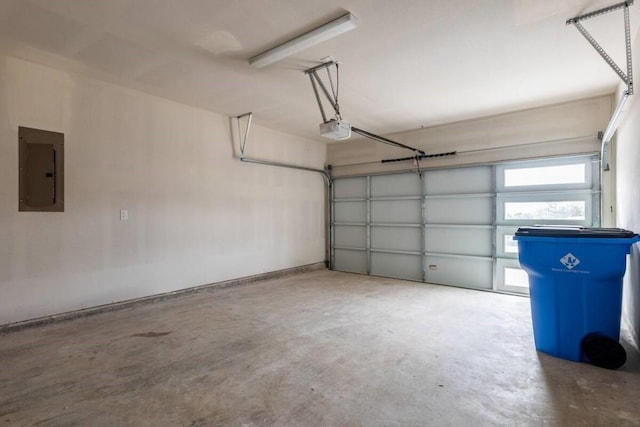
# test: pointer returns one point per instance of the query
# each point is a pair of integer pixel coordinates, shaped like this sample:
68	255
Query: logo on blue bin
570	261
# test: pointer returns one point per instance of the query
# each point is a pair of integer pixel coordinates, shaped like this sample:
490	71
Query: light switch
124	214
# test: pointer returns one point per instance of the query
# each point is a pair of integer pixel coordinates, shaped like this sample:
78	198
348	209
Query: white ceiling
409	64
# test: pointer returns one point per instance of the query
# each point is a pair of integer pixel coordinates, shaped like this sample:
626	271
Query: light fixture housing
322	33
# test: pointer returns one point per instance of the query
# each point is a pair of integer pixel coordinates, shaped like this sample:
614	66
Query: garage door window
547	210
561	191
545	175
510	244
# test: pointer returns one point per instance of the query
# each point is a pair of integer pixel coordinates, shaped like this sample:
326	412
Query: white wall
583	118
627	177
196	214
628	208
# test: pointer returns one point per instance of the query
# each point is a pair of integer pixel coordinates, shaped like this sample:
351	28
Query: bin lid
573	231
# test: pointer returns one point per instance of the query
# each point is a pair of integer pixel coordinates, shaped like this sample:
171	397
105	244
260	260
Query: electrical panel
41	181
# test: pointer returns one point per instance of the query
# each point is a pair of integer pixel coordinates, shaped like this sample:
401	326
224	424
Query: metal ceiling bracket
318	100
317	81
626	78
243	142
243	139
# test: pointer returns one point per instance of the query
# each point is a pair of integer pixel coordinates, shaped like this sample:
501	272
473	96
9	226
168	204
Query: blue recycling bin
575	284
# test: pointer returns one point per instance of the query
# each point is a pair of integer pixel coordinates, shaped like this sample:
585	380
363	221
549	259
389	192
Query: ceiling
409	64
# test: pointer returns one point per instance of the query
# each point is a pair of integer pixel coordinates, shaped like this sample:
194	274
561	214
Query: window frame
585	196
501	265
591	172
587	192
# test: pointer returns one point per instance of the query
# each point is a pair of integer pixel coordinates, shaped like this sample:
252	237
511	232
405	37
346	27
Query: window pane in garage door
506	246
550	207
516	277
545	175
564	173
543	211
510	277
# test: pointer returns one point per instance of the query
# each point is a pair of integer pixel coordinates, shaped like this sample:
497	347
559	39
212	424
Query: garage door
455	226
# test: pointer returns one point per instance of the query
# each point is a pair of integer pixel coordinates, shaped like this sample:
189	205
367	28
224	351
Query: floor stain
151	334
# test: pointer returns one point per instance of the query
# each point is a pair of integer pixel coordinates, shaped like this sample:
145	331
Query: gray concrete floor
318	349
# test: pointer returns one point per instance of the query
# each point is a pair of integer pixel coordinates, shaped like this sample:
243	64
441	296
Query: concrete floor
318	349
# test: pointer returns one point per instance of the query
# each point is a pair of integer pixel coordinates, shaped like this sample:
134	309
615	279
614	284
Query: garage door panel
458	223
396	265
351	236
350	212
459	181
350	261
396	211
396	238
395	185
350	188
462	241
474	273
465	210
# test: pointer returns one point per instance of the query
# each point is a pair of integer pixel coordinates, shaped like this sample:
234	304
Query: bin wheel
602	351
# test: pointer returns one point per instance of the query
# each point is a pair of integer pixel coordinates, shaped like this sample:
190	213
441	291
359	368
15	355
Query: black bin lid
573	231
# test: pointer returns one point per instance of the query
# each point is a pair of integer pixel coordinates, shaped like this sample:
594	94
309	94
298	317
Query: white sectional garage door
454	226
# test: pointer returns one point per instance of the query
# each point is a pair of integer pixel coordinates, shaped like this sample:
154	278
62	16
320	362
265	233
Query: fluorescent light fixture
322	33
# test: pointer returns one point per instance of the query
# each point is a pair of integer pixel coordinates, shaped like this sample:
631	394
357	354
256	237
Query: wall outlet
124	214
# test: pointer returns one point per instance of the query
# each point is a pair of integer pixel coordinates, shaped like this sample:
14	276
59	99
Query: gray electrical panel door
41	178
